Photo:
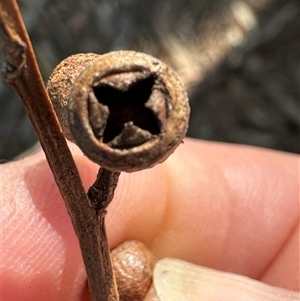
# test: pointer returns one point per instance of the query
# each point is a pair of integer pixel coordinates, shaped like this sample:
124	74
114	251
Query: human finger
149	205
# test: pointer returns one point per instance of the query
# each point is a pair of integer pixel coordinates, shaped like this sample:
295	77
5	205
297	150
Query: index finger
223	206
229	207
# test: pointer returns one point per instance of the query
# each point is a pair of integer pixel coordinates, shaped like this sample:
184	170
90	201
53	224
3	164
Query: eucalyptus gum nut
60	83
126	111
132	264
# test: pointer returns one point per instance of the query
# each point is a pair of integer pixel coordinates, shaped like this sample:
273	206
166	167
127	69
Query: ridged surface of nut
61	82
126	110
133	264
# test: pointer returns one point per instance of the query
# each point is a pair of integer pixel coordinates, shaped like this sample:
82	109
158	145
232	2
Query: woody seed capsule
126	110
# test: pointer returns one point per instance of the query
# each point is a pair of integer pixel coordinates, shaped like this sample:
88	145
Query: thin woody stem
102	191
100	195
22	72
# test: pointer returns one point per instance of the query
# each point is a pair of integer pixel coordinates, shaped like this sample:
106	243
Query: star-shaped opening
127	107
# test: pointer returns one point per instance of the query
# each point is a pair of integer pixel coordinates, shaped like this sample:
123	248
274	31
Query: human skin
227	207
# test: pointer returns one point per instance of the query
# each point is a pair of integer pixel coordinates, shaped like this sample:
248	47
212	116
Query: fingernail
176	280
151	294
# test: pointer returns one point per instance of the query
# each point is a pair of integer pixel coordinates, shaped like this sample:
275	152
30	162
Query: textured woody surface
133	265
62	81
125	110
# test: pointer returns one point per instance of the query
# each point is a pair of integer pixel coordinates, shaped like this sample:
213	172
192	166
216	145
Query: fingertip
177	280
41	258
199	206
209	200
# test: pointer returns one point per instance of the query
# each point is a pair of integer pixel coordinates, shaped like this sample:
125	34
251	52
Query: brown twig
100	195
127	111
22	73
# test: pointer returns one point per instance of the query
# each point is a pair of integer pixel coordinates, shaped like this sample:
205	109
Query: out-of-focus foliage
239	60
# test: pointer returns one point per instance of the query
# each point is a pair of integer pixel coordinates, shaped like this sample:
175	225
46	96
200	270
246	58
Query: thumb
176	280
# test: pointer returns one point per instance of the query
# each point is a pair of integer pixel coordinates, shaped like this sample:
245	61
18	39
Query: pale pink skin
228	207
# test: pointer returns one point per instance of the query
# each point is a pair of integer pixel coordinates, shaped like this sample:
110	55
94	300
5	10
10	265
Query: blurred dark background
239	59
